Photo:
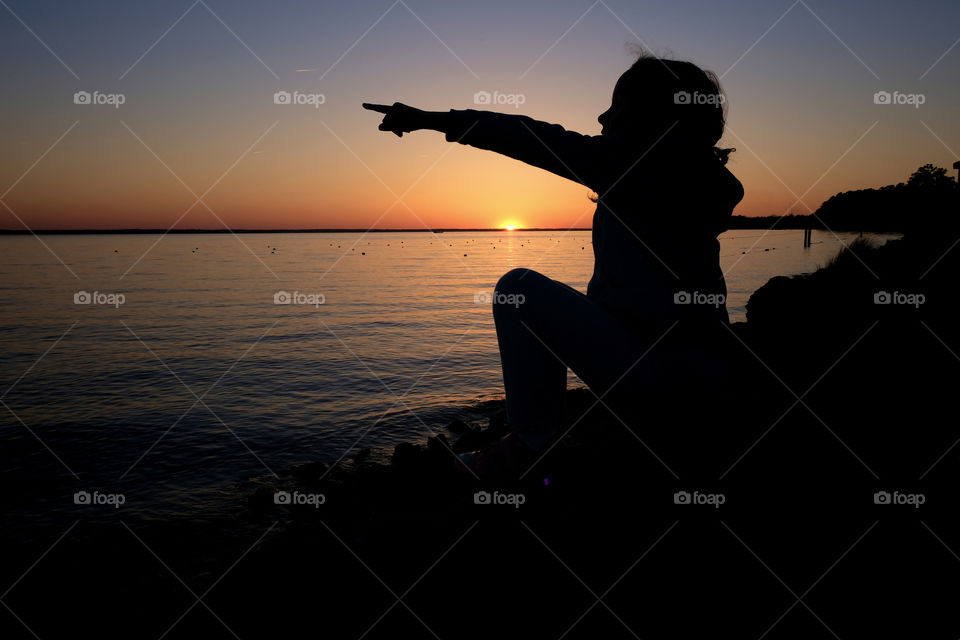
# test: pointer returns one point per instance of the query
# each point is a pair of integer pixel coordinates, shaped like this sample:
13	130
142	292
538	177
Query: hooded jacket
656	253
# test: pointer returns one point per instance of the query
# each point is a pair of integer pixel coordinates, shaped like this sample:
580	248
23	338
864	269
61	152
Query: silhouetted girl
653	317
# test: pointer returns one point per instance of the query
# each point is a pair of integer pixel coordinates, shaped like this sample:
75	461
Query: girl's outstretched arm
594	161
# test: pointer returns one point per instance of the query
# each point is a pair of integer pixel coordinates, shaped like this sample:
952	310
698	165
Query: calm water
198	381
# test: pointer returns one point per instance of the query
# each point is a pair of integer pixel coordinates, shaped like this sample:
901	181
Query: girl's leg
543	327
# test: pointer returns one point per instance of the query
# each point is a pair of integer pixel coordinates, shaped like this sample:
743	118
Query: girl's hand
398	117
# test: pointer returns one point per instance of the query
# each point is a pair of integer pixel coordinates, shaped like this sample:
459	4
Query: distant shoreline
737	223
22	232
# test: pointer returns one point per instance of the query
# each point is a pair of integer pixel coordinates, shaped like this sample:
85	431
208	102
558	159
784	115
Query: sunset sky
199	119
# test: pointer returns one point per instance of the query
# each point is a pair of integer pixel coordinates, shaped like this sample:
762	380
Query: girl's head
672	103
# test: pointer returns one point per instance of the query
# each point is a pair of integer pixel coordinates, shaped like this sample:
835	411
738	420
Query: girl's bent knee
517	281
513	290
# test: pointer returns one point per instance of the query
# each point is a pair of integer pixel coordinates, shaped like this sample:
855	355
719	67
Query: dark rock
470	441
498	423
308	472
261	499
406	453
458	427
360	456
438	445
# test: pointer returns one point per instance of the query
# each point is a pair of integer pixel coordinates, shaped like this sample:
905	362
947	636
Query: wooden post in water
807	234
956	165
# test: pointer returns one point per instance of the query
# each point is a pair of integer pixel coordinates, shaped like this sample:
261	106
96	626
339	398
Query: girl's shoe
505	459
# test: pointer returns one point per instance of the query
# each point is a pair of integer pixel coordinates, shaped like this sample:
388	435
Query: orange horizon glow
313	181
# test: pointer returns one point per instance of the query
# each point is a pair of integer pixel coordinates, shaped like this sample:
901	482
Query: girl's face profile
611	120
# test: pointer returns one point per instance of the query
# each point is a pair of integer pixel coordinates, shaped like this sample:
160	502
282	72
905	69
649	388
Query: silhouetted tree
929	176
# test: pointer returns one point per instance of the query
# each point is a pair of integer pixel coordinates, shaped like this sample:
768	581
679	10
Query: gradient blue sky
802	114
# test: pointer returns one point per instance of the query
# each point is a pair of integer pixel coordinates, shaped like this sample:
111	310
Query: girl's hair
664	93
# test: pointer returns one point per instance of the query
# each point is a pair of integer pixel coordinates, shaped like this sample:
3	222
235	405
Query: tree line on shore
928	200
